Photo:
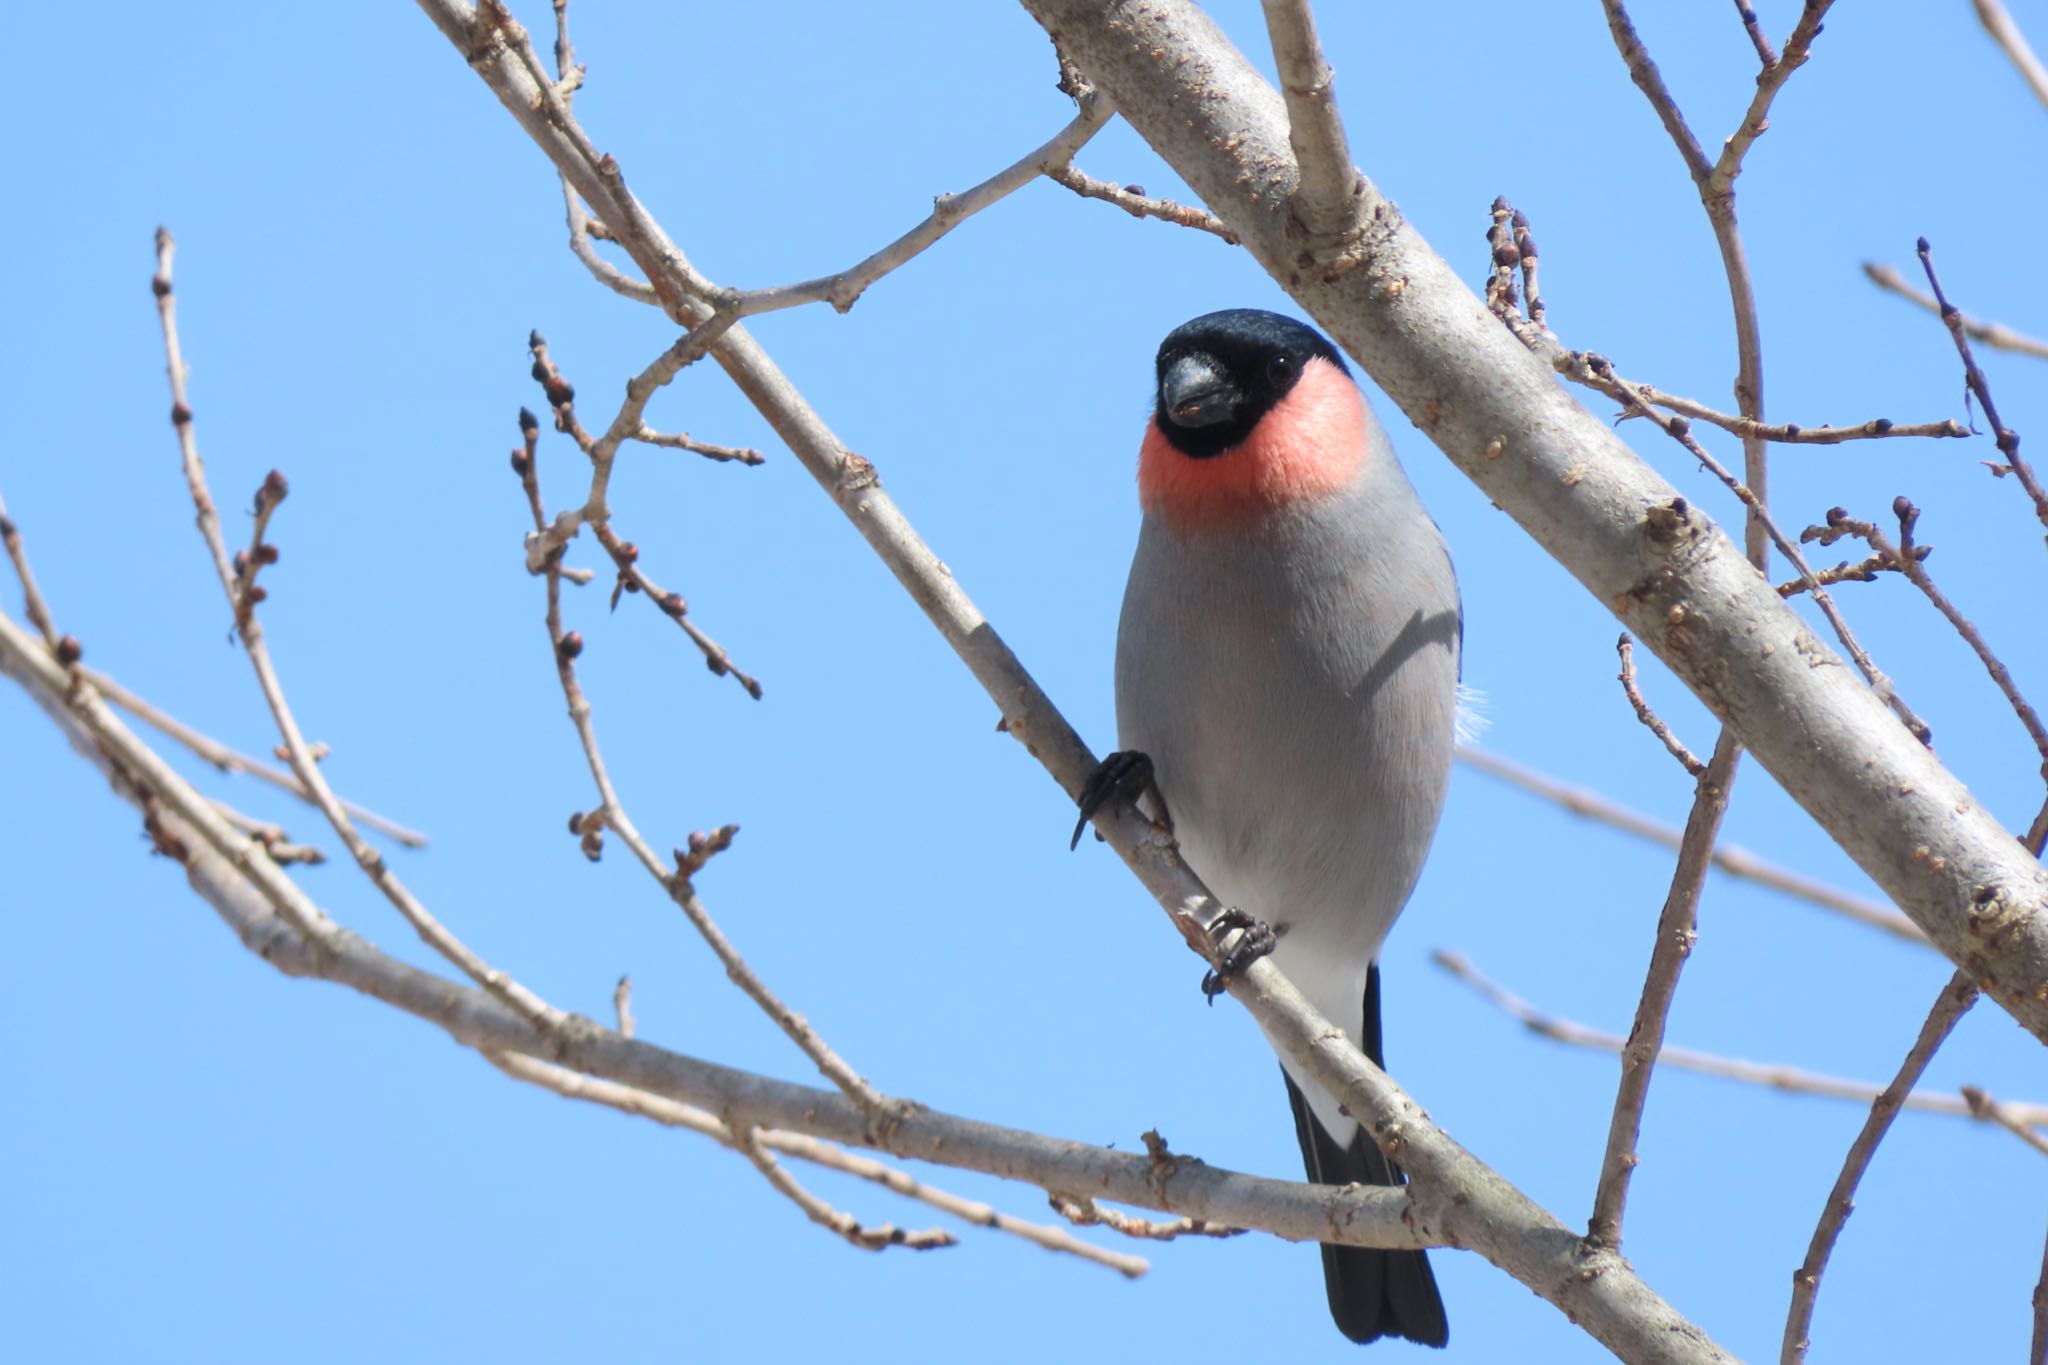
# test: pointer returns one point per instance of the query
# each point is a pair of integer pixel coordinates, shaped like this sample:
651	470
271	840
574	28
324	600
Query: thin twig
1735	861
37	610
673	1114
1083	1211
1133	200
1909	559
1764	53
748	1141
2040	1346
844	289
544	547
228	760
622	1006
2023	1119
683	441
2007	1116
1863	571
1676	932
1326	196
1625	647
249	627
1999	24
1996	335
1681	431
1957	996
566	646
2004	437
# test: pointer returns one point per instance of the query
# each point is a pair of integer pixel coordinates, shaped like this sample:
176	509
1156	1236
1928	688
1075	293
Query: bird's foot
1121	778
1256	940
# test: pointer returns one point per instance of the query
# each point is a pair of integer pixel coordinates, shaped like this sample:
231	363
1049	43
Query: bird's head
1252	410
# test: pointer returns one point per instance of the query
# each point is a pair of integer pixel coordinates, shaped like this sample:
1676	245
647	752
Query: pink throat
1311	444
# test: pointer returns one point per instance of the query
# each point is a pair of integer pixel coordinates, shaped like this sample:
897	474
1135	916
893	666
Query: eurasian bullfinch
1288	662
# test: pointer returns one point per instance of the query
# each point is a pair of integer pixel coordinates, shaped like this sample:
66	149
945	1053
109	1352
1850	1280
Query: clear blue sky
206	1161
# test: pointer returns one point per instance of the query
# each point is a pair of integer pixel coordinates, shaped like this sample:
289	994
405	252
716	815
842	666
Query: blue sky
210	1162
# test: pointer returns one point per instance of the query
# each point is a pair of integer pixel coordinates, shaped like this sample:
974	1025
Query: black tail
1373	1294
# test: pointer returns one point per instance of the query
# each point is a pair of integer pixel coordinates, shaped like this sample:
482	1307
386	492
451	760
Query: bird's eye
1280	368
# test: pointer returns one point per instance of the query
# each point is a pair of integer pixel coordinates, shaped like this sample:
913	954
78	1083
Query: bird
1287	681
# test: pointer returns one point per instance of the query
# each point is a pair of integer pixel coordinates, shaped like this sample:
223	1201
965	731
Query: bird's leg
1255	942
1123	778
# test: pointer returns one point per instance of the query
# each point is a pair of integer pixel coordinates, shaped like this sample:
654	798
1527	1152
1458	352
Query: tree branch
1955	998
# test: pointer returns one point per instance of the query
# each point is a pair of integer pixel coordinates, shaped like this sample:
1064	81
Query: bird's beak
1197	392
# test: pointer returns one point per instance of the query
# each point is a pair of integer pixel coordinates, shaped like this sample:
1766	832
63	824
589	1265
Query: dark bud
1678	426
539	370
1920	552
1500	203
628	584
1902	507
1882	425
69	651
266	553
575	822
673	604
6	526
1138	190
1792	429
593	844
534	340
1518	218
257	593
1837	515
569	646
528	423
1921	246
180	414
560	391
241	562
520	464
629	553
159	286
274	486
1528	242
1505	254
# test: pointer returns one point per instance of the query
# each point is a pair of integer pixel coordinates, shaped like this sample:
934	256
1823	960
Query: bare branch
1667	523
1764	51
2007	440
1996	335
1735	861
1956	997
1999	24
683	441
2023	1119
669	1113
1085	1212
1132	200
948	212
825	1216
1686	759
1910	559
231	761
1676	932
249	894
2009	1117
32	596
611	815
1325	197
247	625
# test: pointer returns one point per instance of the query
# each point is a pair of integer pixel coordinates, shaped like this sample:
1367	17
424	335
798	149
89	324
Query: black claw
1123	777
1257	940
